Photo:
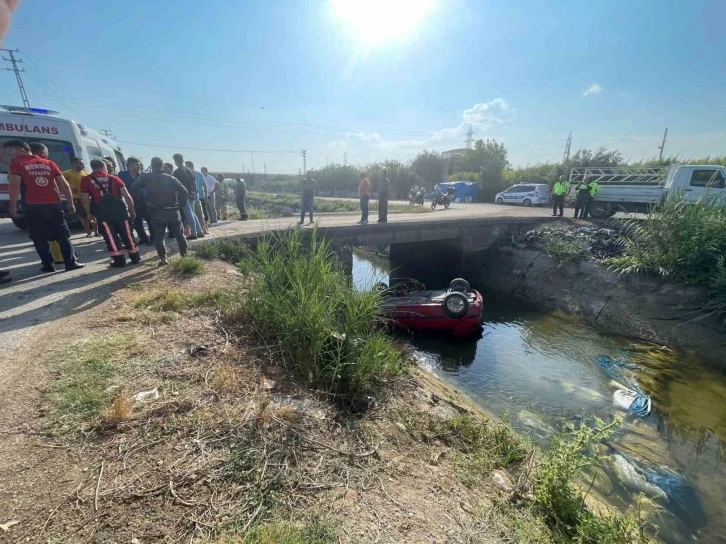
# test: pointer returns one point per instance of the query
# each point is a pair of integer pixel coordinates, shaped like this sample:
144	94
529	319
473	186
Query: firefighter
40	181
114	211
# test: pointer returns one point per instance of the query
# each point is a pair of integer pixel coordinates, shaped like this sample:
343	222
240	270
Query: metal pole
17	71
662	145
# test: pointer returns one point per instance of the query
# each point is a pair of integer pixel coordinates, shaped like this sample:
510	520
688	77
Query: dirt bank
647	308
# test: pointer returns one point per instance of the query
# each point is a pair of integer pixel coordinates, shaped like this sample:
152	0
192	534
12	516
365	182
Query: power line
17	71
275	152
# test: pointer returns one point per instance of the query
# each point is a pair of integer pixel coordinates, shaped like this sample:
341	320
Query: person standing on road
308	197
222	200
364	192
590	199
40	180
114	210
165	196
558	194
212	188
240	194
110	164
200	202
582	197
187	179
384	193
129	177
73	176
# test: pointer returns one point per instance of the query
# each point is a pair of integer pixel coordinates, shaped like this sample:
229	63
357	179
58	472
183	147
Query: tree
429	166
600	157
490	158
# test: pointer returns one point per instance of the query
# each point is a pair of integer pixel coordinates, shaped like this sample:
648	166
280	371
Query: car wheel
455	305
500	200
527	202
460	285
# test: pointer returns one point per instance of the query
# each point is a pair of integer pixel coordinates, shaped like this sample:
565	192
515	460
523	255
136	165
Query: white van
527	194
64	138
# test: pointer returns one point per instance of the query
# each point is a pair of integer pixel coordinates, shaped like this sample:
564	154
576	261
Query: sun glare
378	22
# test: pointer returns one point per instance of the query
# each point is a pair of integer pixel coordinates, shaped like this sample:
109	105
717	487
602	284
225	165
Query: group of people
307	201
585	192
181	200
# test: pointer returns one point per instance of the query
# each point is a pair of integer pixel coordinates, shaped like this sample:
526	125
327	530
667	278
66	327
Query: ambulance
64	138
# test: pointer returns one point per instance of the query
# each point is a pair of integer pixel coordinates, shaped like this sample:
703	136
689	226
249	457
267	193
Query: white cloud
593	89
481	117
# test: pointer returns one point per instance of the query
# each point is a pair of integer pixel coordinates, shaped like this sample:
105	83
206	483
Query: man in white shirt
212	188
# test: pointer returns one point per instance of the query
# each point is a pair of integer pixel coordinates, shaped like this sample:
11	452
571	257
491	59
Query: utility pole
305	160
253	163
264	166
662	145
17	71
345	158
568	145
469	137
326	160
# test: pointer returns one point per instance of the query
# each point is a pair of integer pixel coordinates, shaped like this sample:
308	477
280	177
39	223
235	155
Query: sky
368	80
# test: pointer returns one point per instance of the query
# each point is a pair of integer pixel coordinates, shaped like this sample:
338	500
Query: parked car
529	194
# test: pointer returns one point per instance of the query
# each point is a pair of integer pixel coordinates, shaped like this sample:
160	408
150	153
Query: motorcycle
442	199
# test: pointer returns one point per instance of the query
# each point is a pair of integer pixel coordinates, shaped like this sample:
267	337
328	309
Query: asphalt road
33	298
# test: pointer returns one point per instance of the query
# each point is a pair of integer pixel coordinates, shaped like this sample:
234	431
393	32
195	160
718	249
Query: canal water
539	372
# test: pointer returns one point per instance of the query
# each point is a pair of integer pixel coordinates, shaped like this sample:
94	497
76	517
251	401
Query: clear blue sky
379	82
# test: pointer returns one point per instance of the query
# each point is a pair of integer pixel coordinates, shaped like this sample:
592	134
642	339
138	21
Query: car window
120	161
59	152
526	188
94	152
514	189
712	179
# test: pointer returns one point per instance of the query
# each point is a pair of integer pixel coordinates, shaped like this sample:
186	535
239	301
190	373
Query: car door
708	184
525	191
511	194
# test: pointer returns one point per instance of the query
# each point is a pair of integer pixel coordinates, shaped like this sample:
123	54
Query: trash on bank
146	395
632	402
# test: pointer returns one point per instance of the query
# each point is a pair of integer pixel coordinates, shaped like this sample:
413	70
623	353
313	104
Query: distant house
449	156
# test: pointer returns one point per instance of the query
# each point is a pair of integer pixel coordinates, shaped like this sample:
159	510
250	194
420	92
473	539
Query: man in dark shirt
142	213
384	193
308	197
187	179
165	196
40	181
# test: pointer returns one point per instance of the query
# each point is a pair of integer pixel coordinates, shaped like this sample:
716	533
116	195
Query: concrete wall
641	307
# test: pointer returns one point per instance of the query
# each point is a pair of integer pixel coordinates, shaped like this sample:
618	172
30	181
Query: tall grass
274	202
328	334
686	241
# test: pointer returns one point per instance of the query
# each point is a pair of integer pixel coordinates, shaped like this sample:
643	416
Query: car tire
526	203
459	285
455	305
20	222
500	201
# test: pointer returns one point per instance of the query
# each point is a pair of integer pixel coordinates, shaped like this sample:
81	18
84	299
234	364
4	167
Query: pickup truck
638	189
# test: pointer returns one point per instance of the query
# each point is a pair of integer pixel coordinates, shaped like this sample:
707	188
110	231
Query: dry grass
121	408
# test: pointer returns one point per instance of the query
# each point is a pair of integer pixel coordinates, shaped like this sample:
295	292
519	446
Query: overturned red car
457	310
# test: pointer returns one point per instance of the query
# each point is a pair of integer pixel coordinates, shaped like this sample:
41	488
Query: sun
378	22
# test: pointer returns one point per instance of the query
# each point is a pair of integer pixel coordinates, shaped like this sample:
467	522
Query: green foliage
561	503
429	166
465	176
224	249
327	333
483	445
276	204
185	266
566	250
86	371
316	531
176	300
491	159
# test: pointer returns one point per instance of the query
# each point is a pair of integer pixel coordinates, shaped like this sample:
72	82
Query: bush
566	250
683	240
224	249
185	266
327	333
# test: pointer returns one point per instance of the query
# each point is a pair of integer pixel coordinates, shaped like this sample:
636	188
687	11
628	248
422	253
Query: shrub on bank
302	303
683	240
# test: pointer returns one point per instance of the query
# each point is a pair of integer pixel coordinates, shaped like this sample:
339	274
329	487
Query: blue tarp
466	191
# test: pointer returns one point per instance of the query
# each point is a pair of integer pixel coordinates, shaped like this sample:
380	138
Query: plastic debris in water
632	402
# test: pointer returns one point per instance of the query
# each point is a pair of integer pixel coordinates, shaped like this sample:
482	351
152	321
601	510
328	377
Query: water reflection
541	370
